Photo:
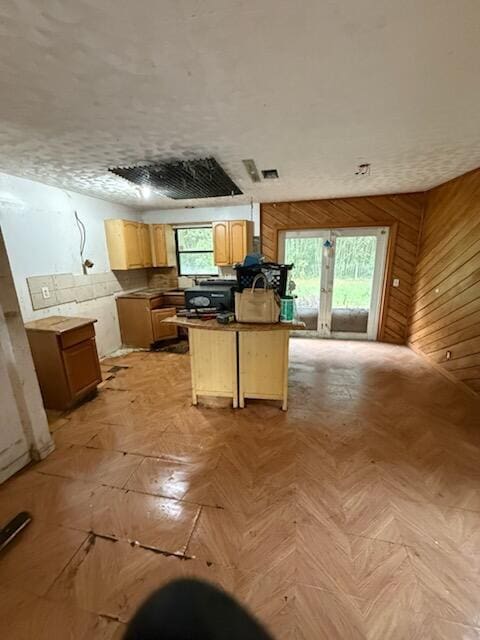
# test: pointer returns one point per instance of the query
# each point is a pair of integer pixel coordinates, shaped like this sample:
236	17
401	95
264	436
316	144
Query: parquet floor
356	515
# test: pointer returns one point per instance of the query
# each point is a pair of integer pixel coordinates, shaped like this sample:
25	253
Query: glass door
337	278
304	249
354	282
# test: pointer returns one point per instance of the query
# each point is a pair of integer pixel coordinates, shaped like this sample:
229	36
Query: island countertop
213	325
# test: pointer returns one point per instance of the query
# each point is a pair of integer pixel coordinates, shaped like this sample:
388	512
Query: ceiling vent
270	174
182	179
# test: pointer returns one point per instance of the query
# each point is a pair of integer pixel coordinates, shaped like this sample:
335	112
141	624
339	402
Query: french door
338	276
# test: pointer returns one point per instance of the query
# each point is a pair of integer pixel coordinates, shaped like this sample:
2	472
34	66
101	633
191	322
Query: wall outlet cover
45	293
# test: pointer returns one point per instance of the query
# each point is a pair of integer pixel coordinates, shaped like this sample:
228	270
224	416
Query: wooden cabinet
241	239
139	316
128	244
163	245
145	244
163	331
66	360
232	241
221	244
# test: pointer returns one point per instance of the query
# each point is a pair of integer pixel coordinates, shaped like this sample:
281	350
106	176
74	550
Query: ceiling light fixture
146	191
252	170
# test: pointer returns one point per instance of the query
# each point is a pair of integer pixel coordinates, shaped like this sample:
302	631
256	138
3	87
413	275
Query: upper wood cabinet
145	244
128	243
163	245
232	241
221	244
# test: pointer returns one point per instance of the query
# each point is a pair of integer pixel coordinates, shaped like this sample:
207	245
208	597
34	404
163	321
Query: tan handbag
257	305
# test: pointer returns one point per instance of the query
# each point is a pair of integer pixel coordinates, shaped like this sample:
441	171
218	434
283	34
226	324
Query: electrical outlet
448	355
45	293
396	282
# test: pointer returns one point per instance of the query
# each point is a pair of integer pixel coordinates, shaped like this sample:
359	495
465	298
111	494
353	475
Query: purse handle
256	279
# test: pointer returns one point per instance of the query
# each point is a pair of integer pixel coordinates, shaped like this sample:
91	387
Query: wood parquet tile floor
355	515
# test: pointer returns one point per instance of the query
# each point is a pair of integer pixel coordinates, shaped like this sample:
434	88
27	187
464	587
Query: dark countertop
149	293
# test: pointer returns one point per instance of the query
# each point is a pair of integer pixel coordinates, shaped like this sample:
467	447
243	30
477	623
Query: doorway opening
337	277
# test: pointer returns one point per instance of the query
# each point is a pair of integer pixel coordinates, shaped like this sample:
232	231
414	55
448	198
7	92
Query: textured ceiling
310	88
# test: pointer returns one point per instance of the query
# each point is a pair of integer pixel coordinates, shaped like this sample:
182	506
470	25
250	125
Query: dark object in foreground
13	528
193	610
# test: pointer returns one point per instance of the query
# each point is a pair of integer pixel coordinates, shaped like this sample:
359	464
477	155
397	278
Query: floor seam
64	569
194	526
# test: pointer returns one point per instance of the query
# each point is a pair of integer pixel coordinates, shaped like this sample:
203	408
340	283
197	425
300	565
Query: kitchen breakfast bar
238	360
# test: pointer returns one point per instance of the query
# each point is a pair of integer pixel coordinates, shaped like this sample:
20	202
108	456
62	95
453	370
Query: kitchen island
238	360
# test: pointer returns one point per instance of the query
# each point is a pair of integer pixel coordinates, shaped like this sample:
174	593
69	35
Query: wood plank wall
402	213
446	296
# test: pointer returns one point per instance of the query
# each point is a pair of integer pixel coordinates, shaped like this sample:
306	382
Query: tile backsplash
162	278
53	290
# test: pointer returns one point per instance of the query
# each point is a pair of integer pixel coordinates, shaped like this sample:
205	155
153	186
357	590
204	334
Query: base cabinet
65	358
140	321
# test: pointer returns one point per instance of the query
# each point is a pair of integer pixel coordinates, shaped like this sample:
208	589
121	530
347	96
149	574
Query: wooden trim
387	278
444	372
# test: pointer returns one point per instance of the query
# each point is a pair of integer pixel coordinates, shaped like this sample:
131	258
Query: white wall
206	214
41	237
24	432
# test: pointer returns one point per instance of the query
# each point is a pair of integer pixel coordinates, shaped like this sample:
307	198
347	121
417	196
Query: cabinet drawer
82	367
69	338
163	331
155	303
177	299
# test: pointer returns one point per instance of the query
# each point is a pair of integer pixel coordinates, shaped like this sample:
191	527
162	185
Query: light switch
45	293
396	282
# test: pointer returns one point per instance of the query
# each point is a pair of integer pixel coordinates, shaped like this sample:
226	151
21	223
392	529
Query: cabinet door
238	240
163	331
159	247
82	367
221	243
133	249
145	245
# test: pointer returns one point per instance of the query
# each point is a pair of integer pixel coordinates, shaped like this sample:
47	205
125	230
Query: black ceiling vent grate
182	179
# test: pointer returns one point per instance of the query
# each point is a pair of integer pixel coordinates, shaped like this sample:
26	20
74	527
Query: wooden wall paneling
445	312
401	213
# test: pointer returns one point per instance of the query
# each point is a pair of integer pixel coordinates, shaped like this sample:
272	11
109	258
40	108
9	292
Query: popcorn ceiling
310	92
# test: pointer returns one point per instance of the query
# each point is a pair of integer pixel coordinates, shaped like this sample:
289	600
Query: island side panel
213	359
263	366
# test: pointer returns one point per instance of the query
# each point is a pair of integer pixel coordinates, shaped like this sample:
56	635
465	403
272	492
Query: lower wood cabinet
163	331
140	319
65	358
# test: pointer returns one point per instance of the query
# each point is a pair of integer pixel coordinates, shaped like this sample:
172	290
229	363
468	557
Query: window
195	251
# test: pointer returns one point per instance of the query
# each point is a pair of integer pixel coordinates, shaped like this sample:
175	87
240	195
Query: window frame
178	252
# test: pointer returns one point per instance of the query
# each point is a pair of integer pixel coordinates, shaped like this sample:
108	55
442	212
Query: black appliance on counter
211	295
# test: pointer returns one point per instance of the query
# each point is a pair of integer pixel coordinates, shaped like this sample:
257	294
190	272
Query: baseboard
445	373
14	466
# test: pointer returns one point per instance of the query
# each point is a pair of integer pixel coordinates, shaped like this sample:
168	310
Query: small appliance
214	297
